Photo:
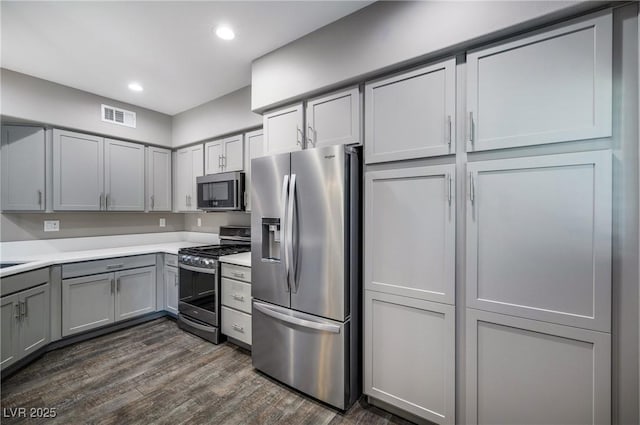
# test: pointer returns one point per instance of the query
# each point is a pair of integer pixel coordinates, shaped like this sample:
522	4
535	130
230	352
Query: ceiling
168	47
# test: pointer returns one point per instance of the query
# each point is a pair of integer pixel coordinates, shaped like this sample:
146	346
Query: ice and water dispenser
271	239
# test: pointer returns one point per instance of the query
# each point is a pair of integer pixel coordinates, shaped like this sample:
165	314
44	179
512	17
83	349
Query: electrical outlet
163	222
199	222
52	225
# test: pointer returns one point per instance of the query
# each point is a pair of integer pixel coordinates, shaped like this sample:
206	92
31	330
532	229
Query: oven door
198	294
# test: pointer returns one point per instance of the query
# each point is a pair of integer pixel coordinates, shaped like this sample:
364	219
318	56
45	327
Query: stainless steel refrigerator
305	238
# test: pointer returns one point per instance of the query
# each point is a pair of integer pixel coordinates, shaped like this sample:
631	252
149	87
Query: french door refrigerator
305	237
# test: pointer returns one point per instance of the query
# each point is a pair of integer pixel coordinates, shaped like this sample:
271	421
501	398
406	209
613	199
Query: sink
5	265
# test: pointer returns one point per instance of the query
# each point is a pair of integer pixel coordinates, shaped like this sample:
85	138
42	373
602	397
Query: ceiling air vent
118	116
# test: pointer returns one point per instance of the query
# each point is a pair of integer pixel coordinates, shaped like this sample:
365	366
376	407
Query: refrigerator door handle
283	232
311	324
289	237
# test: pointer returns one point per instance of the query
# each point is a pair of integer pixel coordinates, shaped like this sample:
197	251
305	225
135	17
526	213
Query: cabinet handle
472	188
115	266
106	202
449	130
39	197
219	161
240	275
153	202
471	128
113	286
312	136
117	285
224	161
238	327
298	136
100	200
26	309
450	181
17	308
238	297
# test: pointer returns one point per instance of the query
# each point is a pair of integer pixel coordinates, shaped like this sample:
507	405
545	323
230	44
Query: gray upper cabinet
539	238
158	179
224	155
254	148
553	86
283	130
124	176
23	168
410	232
78	173
409	355
334	119
135	292
411	115
522	371
189	165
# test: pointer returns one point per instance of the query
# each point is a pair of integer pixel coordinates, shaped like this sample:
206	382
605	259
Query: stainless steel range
199	299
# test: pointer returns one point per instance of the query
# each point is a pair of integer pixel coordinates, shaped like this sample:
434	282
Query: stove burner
206	256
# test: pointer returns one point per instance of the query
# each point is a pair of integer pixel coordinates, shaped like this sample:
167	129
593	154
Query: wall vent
118	116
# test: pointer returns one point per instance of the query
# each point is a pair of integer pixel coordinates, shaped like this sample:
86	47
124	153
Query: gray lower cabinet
522	371
25	323
90	302
409	355
171	289
23	166
236	302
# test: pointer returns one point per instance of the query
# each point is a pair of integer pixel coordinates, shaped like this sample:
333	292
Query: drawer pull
238	327
238	297
236	274
115	266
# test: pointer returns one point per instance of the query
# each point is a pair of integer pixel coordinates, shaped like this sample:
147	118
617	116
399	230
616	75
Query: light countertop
242	259
97	248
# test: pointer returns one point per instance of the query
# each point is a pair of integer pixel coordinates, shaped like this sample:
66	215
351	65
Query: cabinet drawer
236	295
171	260
237	272
236	325
106	266
22	281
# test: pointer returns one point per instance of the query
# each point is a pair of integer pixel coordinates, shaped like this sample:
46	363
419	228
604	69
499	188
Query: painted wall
23	97
227	114
385	35
18	227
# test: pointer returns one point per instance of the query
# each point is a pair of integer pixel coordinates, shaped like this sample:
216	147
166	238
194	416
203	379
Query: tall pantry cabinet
537	231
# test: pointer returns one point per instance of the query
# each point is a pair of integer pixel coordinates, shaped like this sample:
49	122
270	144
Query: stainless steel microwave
221	192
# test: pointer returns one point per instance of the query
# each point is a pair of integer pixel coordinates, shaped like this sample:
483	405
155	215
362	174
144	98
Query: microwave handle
236	200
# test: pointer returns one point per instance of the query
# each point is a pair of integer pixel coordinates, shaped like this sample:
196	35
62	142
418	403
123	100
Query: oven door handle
197	269
194	324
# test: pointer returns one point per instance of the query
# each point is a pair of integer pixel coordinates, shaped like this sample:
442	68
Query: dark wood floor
155	373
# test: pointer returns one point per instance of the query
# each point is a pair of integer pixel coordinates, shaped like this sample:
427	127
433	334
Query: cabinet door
522	371
214	151
410	232
78	173
197	170
23	166
158	179
254	148
184	172
171	289
87	303
233	159
334	119
124	176
283	130
411	115
9	314
135	292
409	355
550	87
539	238
36	318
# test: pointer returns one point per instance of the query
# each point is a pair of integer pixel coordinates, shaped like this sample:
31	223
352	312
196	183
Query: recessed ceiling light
225	32
135	87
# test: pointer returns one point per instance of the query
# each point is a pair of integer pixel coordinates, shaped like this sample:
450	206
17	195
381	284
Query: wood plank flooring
155	373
